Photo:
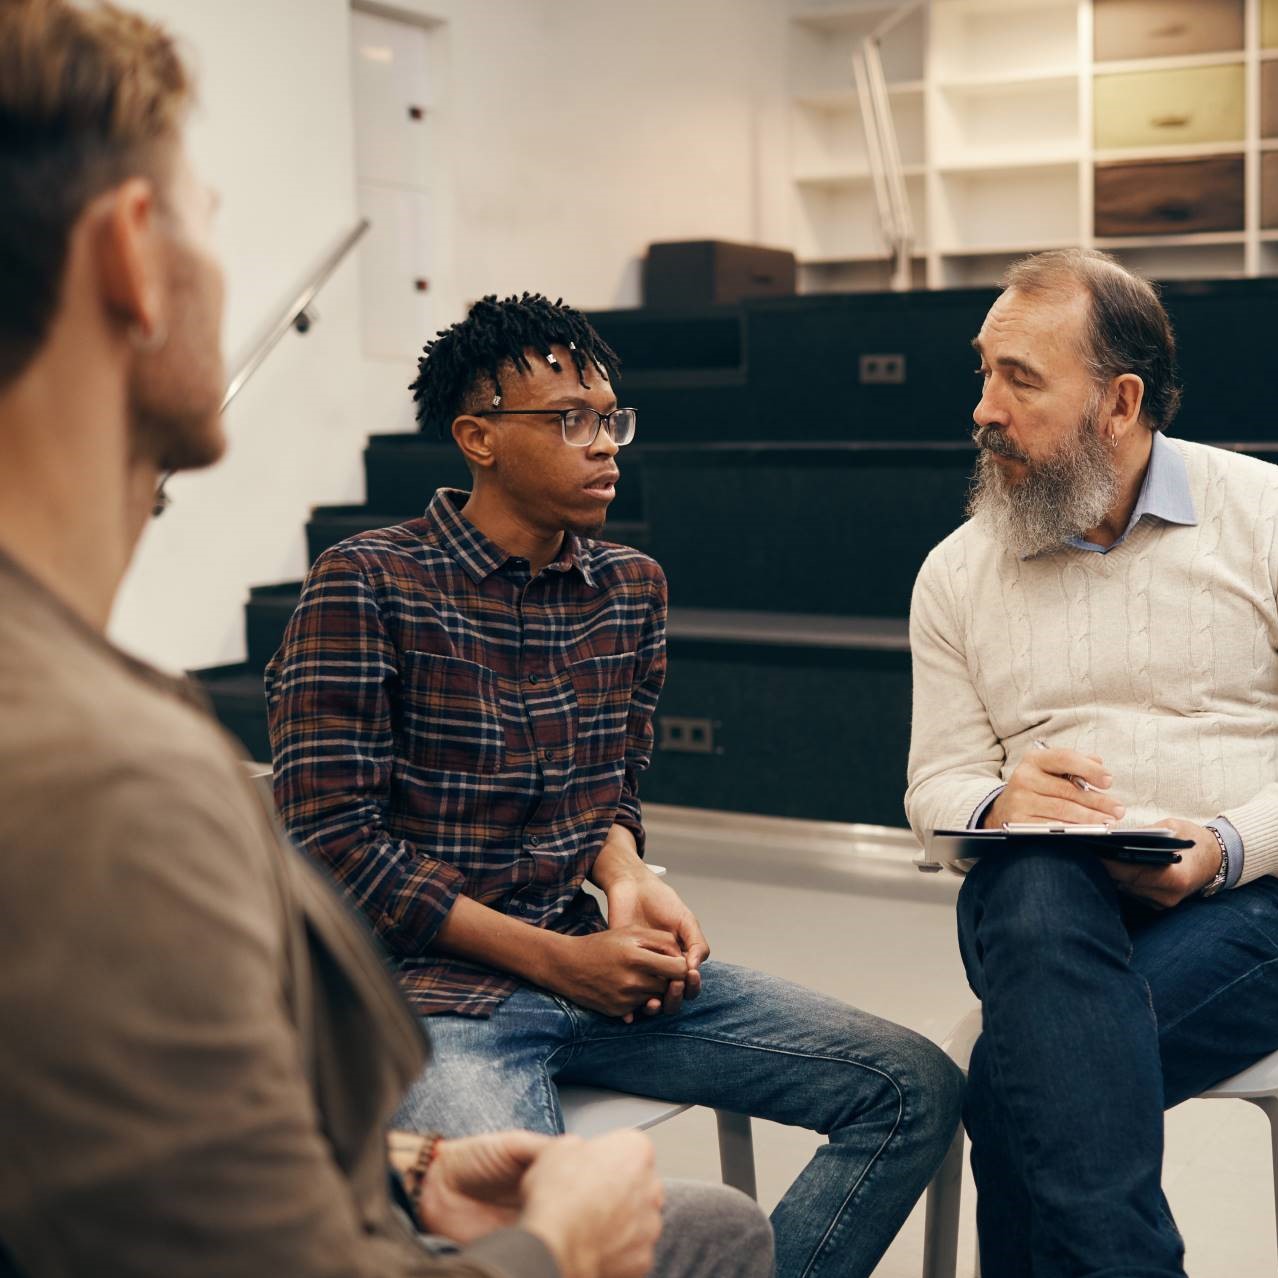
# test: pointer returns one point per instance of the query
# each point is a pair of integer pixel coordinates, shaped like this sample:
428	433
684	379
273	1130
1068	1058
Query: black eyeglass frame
562	414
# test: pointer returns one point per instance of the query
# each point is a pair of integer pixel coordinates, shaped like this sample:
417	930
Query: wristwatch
1222	874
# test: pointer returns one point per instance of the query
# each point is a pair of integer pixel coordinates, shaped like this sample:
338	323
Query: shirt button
549	756
533	840
532	678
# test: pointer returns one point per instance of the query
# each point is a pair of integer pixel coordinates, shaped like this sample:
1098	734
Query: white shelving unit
994	106
836	226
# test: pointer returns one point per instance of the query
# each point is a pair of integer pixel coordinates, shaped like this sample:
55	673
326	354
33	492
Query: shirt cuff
1233	845
986	804
634	824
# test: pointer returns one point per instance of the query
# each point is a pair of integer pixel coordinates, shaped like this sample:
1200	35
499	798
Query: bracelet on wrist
415	1177
1222	873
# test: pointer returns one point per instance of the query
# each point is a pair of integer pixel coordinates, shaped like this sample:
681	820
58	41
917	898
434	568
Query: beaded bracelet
415	1176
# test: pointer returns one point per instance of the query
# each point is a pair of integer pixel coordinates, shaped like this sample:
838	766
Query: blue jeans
888	1099
1098	1013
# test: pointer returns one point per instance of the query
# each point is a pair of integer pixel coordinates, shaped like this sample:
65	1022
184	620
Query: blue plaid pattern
443	722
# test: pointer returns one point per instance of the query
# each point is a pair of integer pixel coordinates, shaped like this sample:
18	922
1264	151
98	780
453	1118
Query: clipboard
1136	847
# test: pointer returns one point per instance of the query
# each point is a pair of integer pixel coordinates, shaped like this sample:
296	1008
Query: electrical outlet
882	370
686	736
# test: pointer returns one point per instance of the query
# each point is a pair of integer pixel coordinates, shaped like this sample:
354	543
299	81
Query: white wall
273	134
584	129
576	132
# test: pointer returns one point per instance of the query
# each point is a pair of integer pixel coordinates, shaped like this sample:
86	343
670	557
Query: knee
922	1086
934	1095
1031	899
715	1231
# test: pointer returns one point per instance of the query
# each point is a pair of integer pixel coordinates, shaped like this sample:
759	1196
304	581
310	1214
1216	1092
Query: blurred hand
1040	790
474	1184
596	1204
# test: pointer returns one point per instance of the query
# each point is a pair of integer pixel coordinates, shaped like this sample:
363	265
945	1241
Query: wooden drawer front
1269	190
1170	197
1269	23
1164	108
1166	28
1269	99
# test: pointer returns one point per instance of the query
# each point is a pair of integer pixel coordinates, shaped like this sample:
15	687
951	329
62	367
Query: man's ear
1129	399
474	436
124	236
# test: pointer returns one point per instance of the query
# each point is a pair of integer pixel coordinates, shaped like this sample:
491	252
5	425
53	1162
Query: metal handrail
882	146
294	312
296	315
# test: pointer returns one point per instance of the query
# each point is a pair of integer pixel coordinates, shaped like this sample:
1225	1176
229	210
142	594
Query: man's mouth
997	445
604	486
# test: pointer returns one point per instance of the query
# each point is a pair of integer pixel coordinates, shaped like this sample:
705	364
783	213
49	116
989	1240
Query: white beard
1061	497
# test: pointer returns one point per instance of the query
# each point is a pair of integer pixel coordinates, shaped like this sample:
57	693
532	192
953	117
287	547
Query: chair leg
1269	1104
941	1228
736	1151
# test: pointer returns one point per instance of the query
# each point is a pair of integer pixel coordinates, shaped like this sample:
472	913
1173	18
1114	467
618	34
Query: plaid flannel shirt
442	721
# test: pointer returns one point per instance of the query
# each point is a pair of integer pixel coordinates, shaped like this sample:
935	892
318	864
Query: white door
395	155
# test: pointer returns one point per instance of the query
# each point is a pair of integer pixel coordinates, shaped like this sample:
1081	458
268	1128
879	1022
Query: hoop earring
147	343
1113	440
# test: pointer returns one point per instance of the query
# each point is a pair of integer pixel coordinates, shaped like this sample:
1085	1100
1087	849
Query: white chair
591	1111
1257	1084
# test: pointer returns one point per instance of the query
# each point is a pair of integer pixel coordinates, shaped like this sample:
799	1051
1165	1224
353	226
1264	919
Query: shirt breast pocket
451	714
602	687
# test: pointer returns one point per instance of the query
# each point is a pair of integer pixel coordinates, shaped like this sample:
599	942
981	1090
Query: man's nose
604	445
989	410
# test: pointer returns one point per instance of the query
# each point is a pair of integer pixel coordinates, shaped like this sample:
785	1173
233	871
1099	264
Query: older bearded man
1113	593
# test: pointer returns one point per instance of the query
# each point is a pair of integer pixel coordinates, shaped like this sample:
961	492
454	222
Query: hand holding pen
1073	778
1056	785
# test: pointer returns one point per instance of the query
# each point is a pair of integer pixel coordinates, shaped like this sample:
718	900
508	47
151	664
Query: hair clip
572	346
552	360
496	401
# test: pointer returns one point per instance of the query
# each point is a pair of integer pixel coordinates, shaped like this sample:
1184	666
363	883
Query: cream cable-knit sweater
1160	656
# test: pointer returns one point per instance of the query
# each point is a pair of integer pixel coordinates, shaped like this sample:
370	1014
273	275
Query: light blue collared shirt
1164	495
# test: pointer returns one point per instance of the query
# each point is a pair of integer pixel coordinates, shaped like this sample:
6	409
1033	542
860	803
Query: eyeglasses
580	426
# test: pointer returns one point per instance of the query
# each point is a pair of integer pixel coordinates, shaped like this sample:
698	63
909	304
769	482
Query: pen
1040	744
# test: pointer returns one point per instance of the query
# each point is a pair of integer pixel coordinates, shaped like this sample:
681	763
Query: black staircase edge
234	682
409	439
357	510
270	592
916	453
788	630
681	379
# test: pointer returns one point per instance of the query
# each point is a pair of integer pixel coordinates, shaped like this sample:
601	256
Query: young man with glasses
460	711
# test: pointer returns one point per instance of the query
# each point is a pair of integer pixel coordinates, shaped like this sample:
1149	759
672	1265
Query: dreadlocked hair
460	370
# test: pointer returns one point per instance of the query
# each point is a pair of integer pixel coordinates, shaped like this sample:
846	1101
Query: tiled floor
858	922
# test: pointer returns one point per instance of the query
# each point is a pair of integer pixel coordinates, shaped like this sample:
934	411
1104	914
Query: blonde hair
89	93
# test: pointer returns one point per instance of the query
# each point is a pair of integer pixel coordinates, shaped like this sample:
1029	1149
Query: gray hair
1128	329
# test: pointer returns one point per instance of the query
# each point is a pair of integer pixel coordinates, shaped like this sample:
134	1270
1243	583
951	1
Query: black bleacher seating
808	528
790	507
806	716
793	375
